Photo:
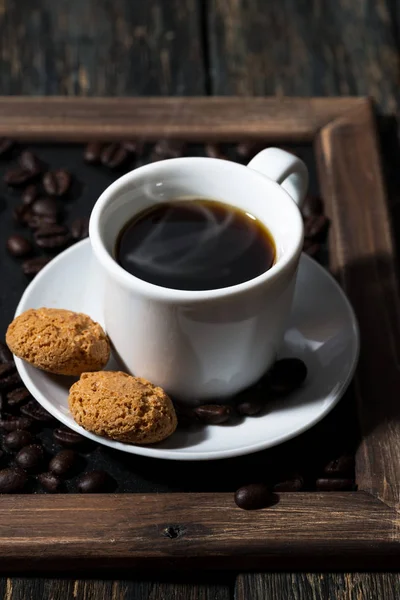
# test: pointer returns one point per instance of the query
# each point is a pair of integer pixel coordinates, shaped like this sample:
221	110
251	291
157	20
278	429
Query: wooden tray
304	530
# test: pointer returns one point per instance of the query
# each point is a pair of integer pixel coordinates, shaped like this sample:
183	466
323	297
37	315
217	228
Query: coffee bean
286	375
94	482
316	228
18	397
80	228
92	153
33	410
30	458
29	194
18	246
6	146
214	151
50	237
18	439
247	150
9	377
5	354
30	162
249	408
114	156
67	437
35	222
33	266
289	485
134	147
313	205
45	207
168	149
12	481
213	414
344	465
62	463
18	176
11	423
50	482
57	183
334	485
254	496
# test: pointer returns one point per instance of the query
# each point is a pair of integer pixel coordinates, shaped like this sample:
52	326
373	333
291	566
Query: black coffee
195	245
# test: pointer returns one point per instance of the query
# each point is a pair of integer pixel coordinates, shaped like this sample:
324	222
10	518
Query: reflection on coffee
196	244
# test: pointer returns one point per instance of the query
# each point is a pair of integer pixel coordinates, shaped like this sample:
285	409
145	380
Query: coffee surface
195	244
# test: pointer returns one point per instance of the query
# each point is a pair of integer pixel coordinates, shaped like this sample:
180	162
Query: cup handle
284	168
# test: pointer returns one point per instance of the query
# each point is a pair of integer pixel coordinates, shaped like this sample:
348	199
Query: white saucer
323	331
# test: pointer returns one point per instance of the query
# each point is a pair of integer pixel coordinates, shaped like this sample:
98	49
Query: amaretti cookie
122	407
59	341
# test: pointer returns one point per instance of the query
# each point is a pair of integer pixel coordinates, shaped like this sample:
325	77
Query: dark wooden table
203	47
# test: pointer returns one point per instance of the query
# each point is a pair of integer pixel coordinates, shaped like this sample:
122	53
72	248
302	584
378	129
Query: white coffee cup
211	344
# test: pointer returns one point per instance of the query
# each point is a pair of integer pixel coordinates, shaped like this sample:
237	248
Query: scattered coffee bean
287	375
18	176
6	146
33	266
214	151
51	237
30	162
68	437
80	228
62	463
30	458
50	482
254	496
9	377
33	410
45	207
18	439
57	183
334	485
12	481
168	149
213	414
134	147
35	222
5	354
11	423
313	205
249	408
29	194
18	246
94	482
316	227
114	156
289	485
92	153
344	465
247	150
18	397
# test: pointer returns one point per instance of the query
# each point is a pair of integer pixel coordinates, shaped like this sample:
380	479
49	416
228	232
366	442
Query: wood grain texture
82	119
302	48
318	586
101	48
363	258
211	531
29	588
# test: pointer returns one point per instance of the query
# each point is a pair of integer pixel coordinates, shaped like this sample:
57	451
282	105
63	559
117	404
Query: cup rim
160	293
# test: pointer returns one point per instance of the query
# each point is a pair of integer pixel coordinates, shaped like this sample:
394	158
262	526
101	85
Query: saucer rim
165	454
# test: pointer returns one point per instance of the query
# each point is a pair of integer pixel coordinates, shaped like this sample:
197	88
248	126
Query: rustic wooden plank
208	530
363	259
298	586
301	48
80	119
101	48
29	588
